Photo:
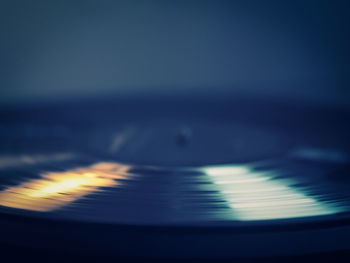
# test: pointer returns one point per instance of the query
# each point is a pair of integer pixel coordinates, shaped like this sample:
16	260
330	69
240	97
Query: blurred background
53	50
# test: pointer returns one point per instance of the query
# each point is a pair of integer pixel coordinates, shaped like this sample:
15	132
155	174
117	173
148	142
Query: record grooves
165	175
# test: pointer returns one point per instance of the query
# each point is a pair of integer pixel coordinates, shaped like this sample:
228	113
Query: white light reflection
259	195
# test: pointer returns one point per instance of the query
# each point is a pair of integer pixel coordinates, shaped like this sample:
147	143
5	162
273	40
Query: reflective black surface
243	171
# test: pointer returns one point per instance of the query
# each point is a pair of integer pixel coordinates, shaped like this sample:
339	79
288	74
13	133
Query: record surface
232	170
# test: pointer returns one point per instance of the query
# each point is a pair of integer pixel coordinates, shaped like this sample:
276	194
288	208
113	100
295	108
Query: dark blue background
296	49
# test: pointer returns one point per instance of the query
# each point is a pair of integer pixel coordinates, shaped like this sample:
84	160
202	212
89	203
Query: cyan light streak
260	196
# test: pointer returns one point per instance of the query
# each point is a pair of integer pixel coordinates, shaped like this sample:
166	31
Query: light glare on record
54	190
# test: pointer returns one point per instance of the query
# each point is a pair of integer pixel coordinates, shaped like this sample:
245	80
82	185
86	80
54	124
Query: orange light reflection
56	189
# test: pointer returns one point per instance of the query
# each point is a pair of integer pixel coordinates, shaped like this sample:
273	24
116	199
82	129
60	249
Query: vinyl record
170	178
